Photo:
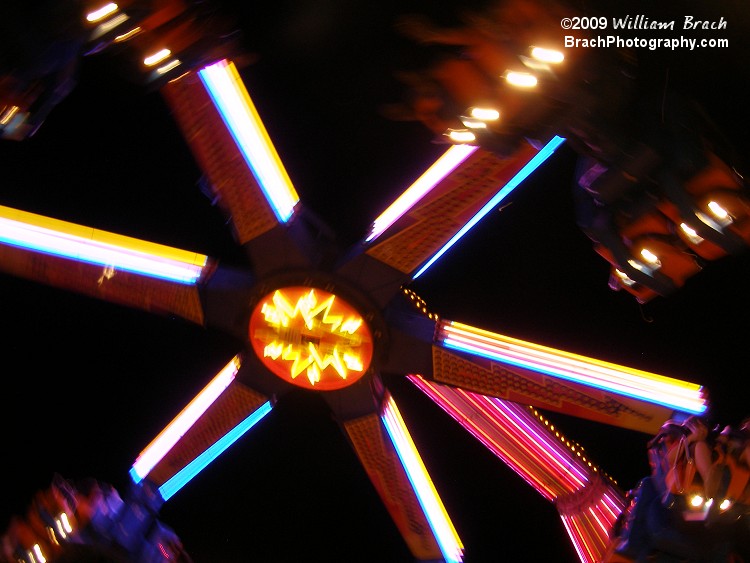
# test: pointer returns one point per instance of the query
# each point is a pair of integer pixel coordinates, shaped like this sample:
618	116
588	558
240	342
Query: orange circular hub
311	338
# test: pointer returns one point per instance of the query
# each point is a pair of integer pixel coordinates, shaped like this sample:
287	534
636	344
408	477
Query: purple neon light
574	534
633	383
523	442
544	361
515	436
590	527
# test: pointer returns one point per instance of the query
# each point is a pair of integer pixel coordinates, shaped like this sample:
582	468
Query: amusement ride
659	195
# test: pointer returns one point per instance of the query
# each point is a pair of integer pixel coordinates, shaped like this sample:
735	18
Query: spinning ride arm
104	265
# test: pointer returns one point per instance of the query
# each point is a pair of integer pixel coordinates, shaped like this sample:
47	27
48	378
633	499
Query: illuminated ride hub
311	338
334	322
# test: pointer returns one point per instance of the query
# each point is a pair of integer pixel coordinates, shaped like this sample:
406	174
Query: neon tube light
596	519
442	528
547	365
421	187
510	432
589	528
182	477
167	438
512	184
487	339
547	461
641	385
224	85
84	244
574	533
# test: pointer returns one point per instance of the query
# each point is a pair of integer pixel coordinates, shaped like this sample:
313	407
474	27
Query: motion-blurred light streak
641	385
167	438
443	166
228	92
181	478
442	527
511	185
117	252
588	504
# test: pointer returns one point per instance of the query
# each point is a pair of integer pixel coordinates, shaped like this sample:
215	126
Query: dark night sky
88	384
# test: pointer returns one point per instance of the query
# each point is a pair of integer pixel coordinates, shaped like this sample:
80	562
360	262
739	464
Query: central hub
311	338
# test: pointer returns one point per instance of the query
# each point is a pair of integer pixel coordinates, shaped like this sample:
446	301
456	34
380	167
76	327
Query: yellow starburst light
303	330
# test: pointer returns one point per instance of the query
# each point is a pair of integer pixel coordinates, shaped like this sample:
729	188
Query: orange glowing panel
311	338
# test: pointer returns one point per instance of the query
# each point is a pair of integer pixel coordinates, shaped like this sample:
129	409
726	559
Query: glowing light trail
421	187
167	438
116	252
642	385
512	184
180	479
224	85
588	505
442	528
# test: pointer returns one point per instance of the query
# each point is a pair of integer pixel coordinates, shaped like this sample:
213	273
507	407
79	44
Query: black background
86	384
